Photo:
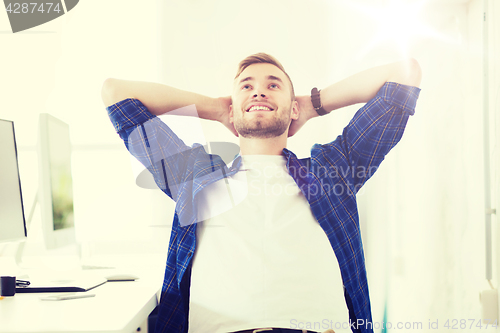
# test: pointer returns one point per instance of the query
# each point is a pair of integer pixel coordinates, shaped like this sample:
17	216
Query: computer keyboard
61	285
91	267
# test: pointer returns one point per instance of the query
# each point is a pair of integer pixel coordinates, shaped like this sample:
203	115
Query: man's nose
257	94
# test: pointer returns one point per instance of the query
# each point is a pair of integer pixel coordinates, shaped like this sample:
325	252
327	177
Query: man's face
262	104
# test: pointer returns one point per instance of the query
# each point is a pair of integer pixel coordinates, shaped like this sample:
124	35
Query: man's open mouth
259	108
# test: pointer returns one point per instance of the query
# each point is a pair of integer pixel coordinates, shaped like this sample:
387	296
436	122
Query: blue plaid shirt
329	179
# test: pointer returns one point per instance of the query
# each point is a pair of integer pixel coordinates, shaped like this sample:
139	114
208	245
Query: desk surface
117	307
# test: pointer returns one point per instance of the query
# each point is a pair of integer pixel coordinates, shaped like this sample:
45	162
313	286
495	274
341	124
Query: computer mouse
121	277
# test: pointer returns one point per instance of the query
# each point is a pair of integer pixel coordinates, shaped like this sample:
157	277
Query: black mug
7	285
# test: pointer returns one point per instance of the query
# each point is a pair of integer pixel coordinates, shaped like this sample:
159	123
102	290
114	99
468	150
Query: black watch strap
316	102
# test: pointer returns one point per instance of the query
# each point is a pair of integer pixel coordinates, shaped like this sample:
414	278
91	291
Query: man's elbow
109	92
414	72
408	73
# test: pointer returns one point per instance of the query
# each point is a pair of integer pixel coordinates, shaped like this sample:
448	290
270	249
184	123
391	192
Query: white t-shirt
262	259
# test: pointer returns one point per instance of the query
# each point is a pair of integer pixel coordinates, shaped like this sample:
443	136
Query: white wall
494	60
434	212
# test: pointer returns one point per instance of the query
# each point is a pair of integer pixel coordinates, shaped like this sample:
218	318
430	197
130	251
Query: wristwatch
316	101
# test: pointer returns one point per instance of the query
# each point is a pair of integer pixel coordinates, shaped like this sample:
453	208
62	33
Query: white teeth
258	107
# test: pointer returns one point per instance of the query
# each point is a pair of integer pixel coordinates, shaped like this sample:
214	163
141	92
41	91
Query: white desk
117	307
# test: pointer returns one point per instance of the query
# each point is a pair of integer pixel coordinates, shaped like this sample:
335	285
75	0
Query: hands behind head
306	112
222	114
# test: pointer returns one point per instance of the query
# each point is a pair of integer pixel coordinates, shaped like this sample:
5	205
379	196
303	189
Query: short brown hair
263	58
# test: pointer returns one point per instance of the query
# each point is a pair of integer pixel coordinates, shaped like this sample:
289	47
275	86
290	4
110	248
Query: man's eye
246	86
274	86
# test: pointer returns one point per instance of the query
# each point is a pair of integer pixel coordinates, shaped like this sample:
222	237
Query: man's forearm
359	88
363	86
159	98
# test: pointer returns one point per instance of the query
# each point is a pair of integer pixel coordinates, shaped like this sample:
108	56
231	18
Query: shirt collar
236	163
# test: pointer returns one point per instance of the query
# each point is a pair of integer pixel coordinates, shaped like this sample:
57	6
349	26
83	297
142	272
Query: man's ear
295	110
231	113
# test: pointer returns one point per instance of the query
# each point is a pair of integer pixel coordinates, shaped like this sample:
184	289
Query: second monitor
55	190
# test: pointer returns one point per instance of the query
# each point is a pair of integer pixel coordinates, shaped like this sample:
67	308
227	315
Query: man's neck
258	146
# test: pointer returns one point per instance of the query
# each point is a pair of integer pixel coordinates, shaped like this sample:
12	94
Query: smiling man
263	105
270	242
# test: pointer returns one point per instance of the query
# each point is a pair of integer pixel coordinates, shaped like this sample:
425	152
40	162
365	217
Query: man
251	244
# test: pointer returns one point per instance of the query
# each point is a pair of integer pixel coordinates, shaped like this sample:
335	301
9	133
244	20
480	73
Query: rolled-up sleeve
126	115
373	131
153	143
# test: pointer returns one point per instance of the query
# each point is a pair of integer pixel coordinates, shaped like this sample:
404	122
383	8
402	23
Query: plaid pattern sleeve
373	131
153	143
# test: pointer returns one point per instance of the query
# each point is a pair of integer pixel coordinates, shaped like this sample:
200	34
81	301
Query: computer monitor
12	222
55	190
